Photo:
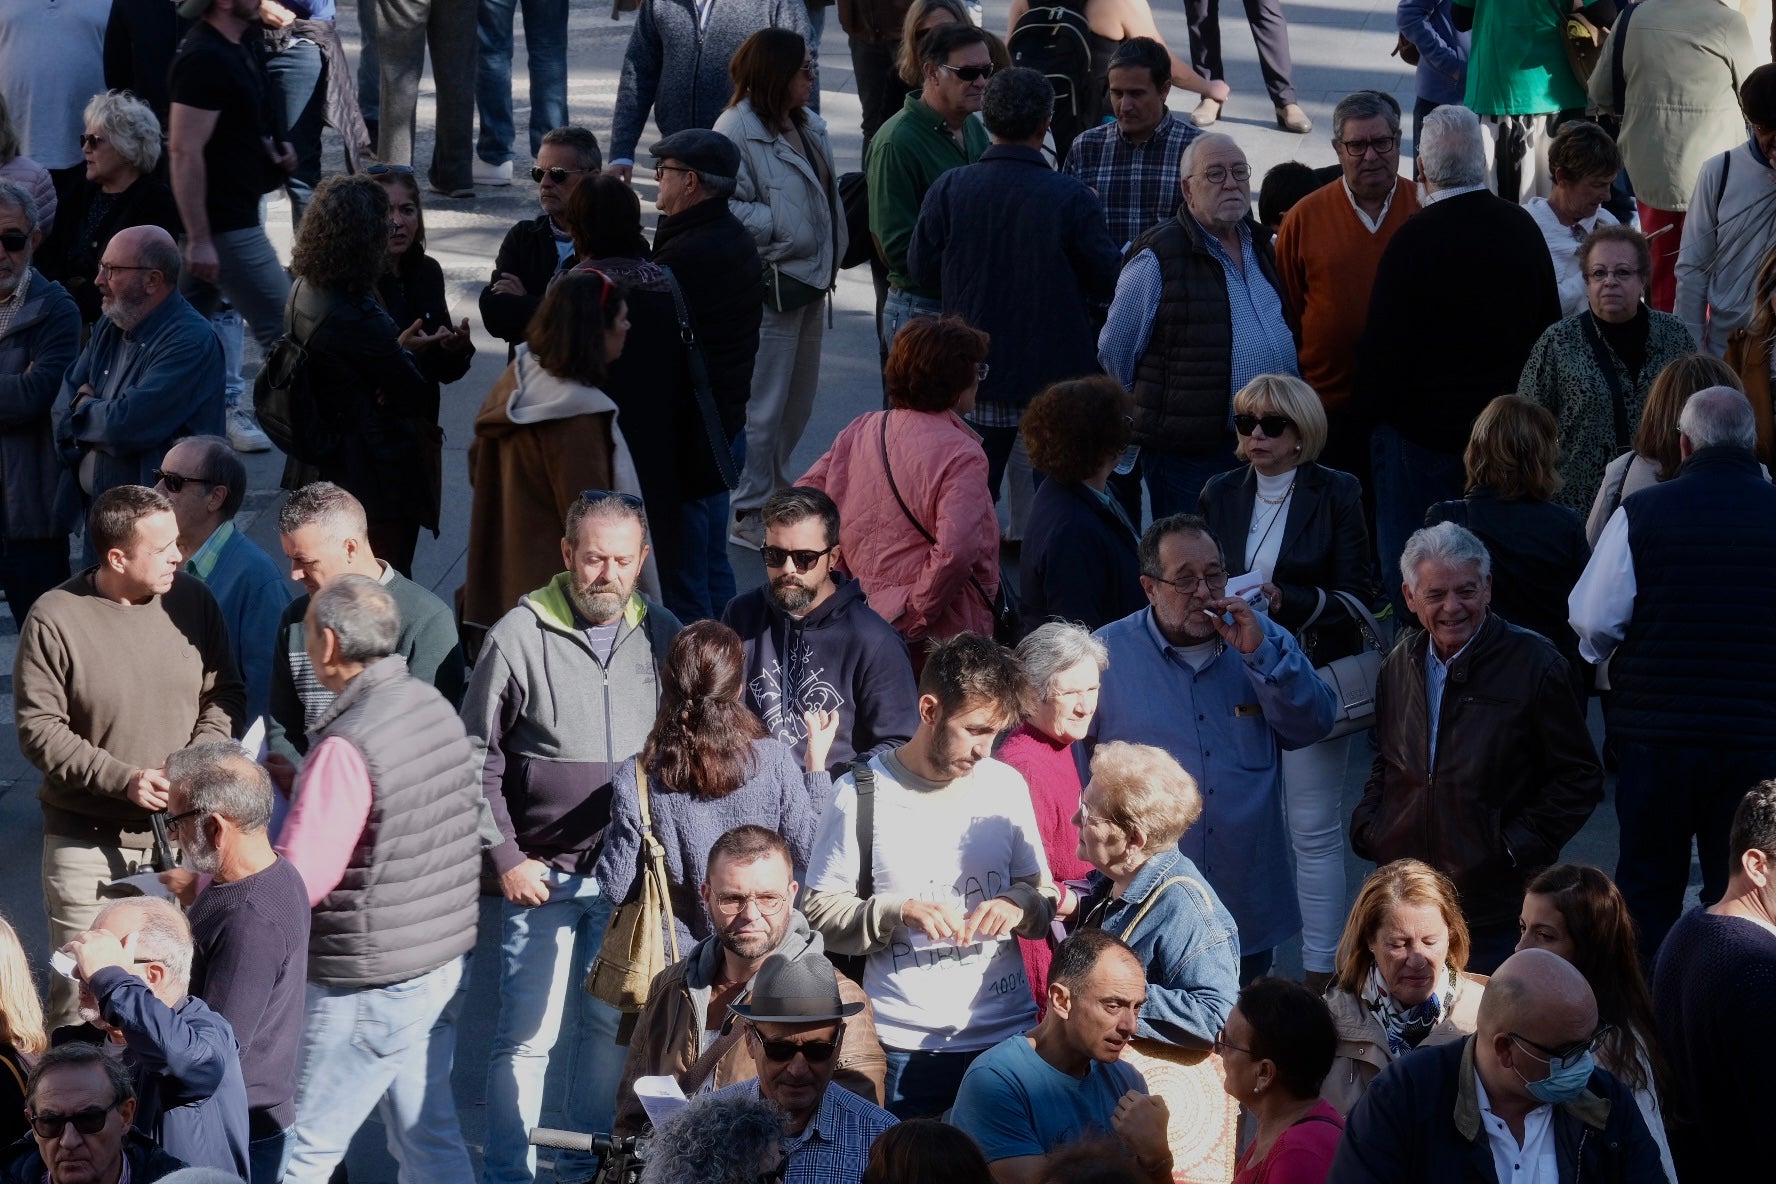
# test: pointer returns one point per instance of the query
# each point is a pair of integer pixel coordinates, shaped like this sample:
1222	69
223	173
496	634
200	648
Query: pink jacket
923	591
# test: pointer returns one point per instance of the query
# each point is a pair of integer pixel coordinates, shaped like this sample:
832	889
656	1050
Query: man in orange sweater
1327	252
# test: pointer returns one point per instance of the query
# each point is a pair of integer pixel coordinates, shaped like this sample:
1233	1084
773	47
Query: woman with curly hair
717	1140
1080	557
367	387
709	765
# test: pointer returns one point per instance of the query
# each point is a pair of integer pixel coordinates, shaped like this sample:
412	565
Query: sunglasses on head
804	560
970	73
1273	425
175	481
14	240
817	1052
89	1121
557	174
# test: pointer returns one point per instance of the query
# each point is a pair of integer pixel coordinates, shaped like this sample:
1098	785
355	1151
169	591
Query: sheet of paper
660	1097
1245	587
63	964
254	741
140	884
919	940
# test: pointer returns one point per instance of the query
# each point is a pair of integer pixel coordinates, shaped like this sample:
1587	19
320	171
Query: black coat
1079	561
373	394
1516	775
22	1163
528	251
717	265
415	292
141	38
71	254
1325	548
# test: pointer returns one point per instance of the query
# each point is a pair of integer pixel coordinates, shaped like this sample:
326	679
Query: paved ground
1339	46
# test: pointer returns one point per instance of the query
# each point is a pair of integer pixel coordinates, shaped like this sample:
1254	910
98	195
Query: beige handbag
635	941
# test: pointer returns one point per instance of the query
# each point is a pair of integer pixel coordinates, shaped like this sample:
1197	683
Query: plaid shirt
1137	183
835	1146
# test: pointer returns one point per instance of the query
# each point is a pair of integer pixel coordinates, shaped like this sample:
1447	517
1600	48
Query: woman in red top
1063	663
1276	1049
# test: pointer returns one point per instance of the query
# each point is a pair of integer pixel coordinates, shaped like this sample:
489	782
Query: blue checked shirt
835	1146
1137	184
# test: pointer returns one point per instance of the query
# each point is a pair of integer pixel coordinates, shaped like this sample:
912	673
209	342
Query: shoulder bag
851	965
1618	75
637	936
1007	621
1353	678
1582	39
712	424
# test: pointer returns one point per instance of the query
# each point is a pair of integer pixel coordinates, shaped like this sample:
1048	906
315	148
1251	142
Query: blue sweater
252	594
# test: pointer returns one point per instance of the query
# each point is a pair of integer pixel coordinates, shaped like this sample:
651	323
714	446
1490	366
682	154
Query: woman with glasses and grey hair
122	147
717	1139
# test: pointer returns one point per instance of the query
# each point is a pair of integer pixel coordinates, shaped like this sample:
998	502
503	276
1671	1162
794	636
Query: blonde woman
1299	526
21	1032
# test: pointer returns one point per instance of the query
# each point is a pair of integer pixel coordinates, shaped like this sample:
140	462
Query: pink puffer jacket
939	468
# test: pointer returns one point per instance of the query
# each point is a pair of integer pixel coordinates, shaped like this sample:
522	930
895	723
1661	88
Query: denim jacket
1187	943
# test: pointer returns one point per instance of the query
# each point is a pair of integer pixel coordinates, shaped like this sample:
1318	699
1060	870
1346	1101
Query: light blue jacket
1227	725
252	594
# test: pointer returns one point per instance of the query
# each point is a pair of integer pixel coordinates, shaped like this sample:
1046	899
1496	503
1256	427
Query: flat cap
700	149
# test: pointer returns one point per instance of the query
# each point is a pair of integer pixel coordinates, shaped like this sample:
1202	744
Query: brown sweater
103	689
1326	259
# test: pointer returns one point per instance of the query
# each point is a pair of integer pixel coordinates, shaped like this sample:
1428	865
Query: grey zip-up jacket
35	351
549	723
680	71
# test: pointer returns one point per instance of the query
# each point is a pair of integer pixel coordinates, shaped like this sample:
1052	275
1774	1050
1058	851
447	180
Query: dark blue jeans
296	77
545	51
1255	966
1663	797
698	583
923	1084
1408	481
268	1157
1175	483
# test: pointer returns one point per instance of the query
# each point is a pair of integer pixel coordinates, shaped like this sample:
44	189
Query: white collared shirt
1532	1162
1373	225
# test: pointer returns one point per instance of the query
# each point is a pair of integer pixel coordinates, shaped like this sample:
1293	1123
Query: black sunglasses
174	481
817	1052
557	174
594	496
970	73
1568	1052
14	240
803	560
89	1121
385	170
1273	425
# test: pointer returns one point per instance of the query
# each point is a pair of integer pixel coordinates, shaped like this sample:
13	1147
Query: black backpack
283	395
1056	42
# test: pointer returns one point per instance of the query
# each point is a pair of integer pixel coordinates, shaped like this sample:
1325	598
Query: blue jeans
295	78
267	1157
923	1084
1175	483
1408	481
1255	966
545	954
901	307
368	1049
701	582
545	51
253	280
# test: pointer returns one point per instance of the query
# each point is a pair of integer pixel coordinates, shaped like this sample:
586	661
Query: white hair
129	124
1447	543
1204	140
1052	649
162	934
1718	415
1451	149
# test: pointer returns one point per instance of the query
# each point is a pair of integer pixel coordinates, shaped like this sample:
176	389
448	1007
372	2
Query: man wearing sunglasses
535	249
81	1107
813	643
1523	1092
793	1022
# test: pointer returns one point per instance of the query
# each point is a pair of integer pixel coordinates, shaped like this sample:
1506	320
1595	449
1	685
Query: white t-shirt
1563	245
963	842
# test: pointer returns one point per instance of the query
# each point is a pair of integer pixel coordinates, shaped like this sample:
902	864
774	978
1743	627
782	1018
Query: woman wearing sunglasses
1298	526
788	198
710	765
1578	913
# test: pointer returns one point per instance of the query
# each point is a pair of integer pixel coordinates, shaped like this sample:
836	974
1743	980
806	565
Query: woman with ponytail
710	766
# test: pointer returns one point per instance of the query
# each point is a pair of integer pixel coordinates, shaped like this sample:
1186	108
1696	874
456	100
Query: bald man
1521	1101
151	373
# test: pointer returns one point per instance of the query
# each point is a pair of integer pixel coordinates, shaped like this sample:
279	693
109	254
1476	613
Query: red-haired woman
710	766
913	474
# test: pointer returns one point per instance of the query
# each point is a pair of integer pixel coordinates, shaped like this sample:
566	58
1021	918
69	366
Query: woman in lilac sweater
1063	662
711	766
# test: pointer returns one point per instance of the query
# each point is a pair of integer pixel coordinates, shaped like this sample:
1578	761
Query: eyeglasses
389	170
104	268
804	561
88	140
1566	1053
594	496
175	819
89	1121
175	481
557	174
810	69
1358	149
14	240
1214	581
817	1052
969	73
732	904
672	168
1217	174
1221	1043
1273	425
1621	275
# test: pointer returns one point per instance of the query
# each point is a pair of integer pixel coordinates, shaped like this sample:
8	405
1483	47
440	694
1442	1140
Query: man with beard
813	643
928	861
564	691
151	373
1224	690
249	929
686	1029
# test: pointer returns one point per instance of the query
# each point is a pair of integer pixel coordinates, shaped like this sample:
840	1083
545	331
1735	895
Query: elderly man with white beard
249	929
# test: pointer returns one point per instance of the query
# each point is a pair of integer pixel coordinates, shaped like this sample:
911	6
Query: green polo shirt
1517	65
910	152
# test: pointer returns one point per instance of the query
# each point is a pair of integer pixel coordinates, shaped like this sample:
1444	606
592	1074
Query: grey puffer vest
408	902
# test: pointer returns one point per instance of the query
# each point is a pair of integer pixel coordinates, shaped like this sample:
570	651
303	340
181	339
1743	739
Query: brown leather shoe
1292	118
1207	112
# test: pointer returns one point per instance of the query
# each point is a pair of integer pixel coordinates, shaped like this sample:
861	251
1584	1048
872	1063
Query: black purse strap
1606	362
712	426
1619	77
888	470
865	778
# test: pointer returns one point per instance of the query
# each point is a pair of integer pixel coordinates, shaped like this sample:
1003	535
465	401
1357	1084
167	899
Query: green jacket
1517	65
912	149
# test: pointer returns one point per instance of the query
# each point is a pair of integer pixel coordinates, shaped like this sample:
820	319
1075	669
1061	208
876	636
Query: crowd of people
898	867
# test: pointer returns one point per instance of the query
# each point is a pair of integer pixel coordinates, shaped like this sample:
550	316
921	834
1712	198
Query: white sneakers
492	174
748	530
244	433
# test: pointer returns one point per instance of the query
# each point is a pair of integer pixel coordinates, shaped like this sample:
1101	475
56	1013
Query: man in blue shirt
1064	1080
1223	690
